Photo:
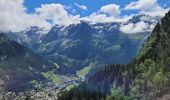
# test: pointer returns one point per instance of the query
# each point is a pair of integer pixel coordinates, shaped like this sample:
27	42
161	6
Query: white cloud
57	14
83	7
107	13
13	16
101	18
131	28
111	9
149	7
50	14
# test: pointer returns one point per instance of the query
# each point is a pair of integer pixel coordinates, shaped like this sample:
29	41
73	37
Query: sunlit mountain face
50	47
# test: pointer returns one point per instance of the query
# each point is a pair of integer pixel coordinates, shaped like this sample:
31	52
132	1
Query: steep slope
18	66
147	77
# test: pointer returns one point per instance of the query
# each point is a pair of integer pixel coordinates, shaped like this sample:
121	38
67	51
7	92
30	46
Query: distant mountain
145	78
30	37
145	18
85	43
75	47
19	66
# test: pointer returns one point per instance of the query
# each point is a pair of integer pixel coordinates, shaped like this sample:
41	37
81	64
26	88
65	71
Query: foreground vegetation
147	77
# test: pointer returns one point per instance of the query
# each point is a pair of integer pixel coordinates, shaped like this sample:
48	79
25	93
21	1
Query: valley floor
47	91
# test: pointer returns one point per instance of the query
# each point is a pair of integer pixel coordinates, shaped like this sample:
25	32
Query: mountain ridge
146	77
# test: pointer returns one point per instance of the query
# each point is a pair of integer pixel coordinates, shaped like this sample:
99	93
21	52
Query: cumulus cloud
57	14
14	16
131	28
83	7
107	13
101	18
149	7
111	9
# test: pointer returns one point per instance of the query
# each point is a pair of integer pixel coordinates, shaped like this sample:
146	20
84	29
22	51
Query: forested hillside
146	77
19	66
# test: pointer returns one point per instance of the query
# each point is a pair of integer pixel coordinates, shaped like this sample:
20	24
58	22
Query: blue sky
92	5
47	13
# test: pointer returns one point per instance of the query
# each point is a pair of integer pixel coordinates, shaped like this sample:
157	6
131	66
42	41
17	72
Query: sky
16	15
92	5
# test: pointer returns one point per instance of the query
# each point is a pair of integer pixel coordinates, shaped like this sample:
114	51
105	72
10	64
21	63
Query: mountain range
79	50
78	46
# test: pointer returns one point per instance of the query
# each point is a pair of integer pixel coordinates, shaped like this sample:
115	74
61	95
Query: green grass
70	87
34	81
56	65
115	47
84	71
51	76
